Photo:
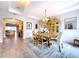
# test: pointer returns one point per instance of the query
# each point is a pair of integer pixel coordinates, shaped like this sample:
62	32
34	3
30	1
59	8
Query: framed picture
28	25
70	23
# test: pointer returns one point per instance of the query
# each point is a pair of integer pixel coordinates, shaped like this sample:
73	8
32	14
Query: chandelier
45	19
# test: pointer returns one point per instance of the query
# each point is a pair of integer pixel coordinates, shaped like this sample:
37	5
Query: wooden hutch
53	26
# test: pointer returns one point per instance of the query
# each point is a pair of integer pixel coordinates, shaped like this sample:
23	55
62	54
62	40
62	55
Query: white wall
69	35
0	29
28	32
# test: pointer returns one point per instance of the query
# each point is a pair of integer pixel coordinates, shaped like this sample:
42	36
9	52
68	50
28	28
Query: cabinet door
57	29
53	28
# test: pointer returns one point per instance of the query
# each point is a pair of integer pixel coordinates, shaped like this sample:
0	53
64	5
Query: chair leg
48	43
59	48
37	42
34	42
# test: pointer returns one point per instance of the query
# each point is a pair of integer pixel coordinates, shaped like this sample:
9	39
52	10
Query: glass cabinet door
57	29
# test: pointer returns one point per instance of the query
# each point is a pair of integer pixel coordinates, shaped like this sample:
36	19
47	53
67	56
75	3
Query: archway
11	27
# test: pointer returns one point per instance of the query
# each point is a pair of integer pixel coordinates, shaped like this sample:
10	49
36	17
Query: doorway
11	27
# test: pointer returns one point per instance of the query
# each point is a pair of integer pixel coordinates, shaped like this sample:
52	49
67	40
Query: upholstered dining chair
37	40
45	40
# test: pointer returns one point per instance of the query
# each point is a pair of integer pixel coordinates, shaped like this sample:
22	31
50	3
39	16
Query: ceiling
36	9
